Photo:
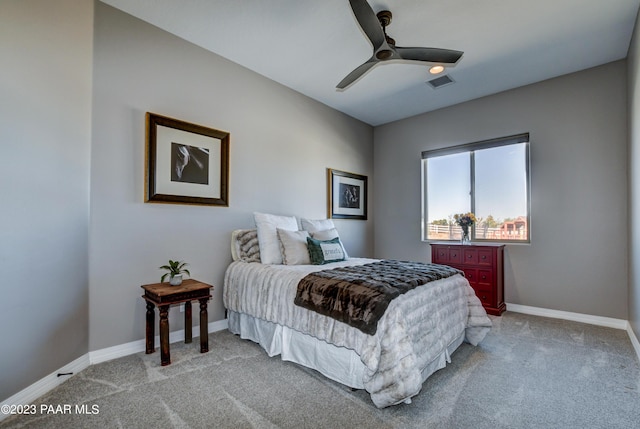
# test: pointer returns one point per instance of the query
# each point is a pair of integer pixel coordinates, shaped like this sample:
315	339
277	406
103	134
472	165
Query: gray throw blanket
359	295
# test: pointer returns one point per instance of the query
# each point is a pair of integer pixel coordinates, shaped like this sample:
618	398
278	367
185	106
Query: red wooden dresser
482	266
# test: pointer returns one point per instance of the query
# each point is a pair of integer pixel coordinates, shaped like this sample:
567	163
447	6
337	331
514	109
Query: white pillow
328	234
316	225
268	235
294	247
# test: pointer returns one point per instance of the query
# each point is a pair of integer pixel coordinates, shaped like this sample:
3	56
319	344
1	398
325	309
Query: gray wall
45	135
578	127
281	145
55	156
634	179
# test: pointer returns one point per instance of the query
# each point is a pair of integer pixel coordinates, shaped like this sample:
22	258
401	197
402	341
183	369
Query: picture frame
185	163
347	195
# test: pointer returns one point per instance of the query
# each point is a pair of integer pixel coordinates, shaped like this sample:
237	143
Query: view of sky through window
498	199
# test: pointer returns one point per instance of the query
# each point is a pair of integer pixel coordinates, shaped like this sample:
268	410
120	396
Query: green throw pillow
325	252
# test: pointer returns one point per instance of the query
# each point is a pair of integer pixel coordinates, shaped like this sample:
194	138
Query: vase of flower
464	221
465	235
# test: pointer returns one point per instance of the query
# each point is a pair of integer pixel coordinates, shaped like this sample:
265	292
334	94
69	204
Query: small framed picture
347	195
186	163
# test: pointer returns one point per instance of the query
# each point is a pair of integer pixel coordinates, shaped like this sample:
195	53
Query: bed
415	336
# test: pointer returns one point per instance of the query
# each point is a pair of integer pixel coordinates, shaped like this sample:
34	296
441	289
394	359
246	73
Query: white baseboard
44	385
566	315
126	349
634	339
607	322
52	380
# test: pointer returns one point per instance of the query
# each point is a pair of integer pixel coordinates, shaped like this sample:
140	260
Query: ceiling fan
384	47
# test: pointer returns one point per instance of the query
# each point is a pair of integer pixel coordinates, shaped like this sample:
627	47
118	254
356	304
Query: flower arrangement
464	221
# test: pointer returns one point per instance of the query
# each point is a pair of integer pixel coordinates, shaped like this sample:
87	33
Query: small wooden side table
163	295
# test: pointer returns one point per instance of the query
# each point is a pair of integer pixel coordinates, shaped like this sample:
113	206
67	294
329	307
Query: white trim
566	315
579	317
52	380
634	339
126	349
44	385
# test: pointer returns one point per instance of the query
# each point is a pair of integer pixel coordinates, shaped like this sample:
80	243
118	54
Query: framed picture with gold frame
185	163
347	195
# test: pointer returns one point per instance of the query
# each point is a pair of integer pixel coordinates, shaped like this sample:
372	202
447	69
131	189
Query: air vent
441	81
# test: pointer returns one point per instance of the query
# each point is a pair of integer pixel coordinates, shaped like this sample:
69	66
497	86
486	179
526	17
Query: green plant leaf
173	268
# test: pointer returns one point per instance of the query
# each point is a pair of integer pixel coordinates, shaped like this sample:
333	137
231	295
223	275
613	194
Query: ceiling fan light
436	69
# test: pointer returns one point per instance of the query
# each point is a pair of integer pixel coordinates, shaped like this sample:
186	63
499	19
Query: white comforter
415	330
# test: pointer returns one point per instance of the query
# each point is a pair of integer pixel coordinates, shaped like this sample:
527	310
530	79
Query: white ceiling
311	45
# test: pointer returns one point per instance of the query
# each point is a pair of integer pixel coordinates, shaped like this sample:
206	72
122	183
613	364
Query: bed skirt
336	363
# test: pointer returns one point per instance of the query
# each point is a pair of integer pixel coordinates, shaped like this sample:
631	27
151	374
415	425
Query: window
488	178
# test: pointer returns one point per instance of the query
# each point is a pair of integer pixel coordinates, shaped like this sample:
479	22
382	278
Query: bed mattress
415	337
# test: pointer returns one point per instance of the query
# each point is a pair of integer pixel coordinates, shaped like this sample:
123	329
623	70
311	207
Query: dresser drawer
486	298
479	279
471	274
470	256
485	257
440	255
485	279
455	256
446	255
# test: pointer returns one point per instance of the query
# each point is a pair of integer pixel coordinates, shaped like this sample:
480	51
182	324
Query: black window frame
471	148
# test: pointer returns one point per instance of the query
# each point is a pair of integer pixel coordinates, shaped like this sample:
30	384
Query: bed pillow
316	225
293	245
268	235
244	245
325	251
328	234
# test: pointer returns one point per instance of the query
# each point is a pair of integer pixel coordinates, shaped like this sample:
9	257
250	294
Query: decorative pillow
325	252
316	225
328	234
294	247
244	245
268	236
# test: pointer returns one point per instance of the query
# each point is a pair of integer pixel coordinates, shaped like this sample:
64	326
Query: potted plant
175	270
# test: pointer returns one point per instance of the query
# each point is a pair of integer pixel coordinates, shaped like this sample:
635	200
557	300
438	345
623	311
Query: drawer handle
484	256
484	297
442	254
484	277
454	255
470	256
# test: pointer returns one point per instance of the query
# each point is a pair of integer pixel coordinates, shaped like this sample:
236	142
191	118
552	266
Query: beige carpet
530	372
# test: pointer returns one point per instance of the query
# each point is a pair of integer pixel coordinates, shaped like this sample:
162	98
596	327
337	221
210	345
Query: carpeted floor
530	372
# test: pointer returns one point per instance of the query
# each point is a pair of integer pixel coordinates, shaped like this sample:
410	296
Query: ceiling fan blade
432	55
368	22
359	71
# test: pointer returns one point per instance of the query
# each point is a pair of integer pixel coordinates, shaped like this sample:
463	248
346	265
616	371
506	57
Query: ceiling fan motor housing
384	16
